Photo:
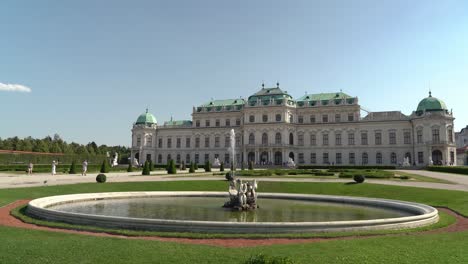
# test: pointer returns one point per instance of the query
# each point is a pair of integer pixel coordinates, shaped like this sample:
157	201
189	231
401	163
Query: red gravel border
8	220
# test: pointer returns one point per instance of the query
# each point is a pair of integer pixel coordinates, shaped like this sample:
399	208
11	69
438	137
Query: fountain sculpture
242	195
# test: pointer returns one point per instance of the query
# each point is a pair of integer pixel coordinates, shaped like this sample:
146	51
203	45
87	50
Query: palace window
207	123
187	142
187	159
312	119
419	136
178	159
169	157
278	118
352	158
238	141
265	118
338	139
227	142
197	123
197	158
160	143
278	138
337	118
407	137
363	138
378	138
450	135
420	157
365	158
313	140
378	158
393	158
291	139
226	158
159	159
169	143
325	158
350	117
264	139
251	139
216	142
325	139
301	158
300	140
435	135
338	158
207	157
324	118
300	119
350	138
392	137
207	142
197	142
217	123
228	122
291	119
238	122
149	141
138	141
313	158
178	143
251	118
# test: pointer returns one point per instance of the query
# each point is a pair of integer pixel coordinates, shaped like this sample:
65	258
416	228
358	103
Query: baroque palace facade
315	129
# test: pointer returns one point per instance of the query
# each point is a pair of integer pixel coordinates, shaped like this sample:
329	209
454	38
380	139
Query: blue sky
94	66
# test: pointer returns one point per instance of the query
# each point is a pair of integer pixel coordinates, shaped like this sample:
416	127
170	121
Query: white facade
318	129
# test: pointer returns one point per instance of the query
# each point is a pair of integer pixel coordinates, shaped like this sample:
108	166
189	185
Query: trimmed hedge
348	167
359	178
449	169
376	174
101	178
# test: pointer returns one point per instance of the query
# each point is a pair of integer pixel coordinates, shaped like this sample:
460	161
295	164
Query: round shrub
192	168
359	178
101	178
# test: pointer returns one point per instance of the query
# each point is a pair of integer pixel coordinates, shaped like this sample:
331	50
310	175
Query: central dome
431	104
146	118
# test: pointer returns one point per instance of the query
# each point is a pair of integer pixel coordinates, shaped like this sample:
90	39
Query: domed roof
431	104
146	118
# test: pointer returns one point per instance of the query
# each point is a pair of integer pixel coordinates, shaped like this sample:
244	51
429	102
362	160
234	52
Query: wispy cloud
14	88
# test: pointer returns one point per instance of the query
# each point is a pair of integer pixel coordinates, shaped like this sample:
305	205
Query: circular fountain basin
202	212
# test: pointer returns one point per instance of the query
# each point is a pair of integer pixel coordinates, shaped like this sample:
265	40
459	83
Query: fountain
242	196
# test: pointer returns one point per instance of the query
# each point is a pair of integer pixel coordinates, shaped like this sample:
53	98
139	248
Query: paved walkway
11	180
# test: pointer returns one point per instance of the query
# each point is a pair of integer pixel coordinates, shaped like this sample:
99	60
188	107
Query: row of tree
56	144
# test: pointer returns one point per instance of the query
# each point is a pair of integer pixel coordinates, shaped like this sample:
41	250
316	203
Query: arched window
278	138
378	158
251	139
264	139
365	158
265	118
159	159
291	139
178	159
393	158
291	119
278	118
187	159
169	157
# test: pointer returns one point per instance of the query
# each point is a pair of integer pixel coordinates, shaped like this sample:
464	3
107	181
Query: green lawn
29	246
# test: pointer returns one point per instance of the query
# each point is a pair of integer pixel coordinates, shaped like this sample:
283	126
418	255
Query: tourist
85	168
54	167
30	168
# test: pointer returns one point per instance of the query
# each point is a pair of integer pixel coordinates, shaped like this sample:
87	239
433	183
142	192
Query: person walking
85	168
30	168
54	167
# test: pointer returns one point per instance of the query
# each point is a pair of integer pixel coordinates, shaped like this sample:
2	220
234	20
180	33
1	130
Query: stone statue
430	161
116	158
216	163
291	163
242	196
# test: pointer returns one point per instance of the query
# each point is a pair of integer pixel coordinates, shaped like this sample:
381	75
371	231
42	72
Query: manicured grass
32	246
416	177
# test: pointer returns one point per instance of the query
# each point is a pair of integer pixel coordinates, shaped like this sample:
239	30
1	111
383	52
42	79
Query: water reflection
208	209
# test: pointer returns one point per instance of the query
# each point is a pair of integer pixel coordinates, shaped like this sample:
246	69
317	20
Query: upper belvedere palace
315	129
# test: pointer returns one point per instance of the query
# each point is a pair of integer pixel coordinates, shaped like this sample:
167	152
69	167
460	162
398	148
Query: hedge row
450	169
376	174
348	167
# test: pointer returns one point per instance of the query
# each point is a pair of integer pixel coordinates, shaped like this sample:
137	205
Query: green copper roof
226	102
178	123
323	96
146	118
431	104
270	93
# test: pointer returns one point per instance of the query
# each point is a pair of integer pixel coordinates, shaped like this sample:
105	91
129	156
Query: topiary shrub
101	178
192	168
196	166
172	169
251	166
130	167
105	167
207	166
359	178
263	259
151	165
221	167
146	169
72	168
182	166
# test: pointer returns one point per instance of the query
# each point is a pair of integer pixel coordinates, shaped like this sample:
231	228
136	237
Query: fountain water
242	196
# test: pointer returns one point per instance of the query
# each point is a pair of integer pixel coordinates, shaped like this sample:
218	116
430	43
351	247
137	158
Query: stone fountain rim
424	214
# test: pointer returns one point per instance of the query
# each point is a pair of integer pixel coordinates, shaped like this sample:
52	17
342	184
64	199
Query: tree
192	168
105	167
146	169
207	166
221	167
72	168
172	169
